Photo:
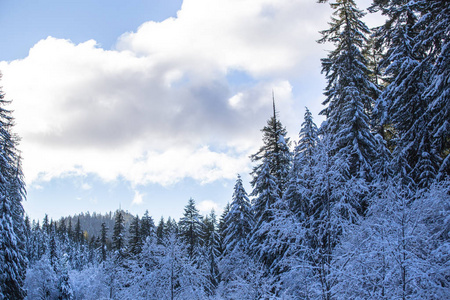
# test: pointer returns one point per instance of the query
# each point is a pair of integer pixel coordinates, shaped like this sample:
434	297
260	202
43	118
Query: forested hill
90	224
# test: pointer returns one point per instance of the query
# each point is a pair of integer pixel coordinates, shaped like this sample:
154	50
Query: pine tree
191	227
147	226
135	238
69	229
301	168
403	104
78	236
333	207
12	192
266	194
118	238
160	231
349	91
275	151
103	241
210	244
434	37
238	222
222	227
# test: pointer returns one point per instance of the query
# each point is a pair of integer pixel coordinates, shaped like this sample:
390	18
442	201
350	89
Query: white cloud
138	198
206	206
160	108
86	186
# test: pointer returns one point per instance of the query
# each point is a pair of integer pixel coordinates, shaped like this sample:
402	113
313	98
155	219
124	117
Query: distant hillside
91	223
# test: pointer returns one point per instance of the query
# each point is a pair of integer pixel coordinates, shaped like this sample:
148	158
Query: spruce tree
349	91
222	226
275	151
103	240
147	228
135	238
210	245
78	235
403	104
160	231
434	37
118	238
238	222
191	227
301	167
12	192
266	194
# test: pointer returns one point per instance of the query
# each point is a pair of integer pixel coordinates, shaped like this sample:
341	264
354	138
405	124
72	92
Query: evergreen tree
103	240
266	194
170	227
46	225
191	227
301	168
403	103
238	222
12	192
349	91
135	238
210	243
222	227
78	235
434	38
160	231
147	226
275	151
118	238
69	229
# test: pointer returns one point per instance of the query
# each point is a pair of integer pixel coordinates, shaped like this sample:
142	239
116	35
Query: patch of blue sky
69	195
24	23
239	78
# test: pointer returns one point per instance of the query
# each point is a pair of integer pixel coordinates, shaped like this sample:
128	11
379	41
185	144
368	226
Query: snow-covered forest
356	208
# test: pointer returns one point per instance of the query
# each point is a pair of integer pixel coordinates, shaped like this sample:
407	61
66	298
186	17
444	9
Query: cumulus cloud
161	106
138	198
206	206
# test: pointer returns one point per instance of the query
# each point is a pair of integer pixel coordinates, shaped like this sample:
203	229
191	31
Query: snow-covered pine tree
266	194
222	227
134	237
350	90
301	167
239	220
191	227
333	207
275	151
103	241
12	192
434	36
147	226
118	238
160	231
77	234
210	246
402	104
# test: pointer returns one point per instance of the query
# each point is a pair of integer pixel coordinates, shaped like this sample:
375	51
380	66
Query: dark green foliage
191	227
275	151
118	238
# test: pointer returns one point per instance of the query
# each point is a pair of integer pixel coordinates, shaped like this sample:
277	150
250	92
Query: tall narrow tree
349	91
12	192
275	151
238	222
191	227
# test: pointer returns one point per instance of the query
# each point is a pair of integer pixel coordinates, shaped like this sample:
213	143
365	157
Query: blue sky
143	104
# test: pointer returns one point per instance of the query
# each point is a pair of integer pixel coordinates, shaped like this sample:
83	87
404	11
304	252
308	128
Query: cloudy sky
143	104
